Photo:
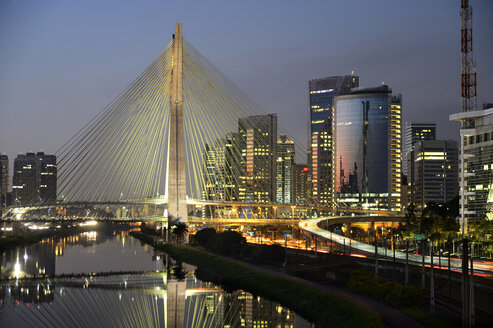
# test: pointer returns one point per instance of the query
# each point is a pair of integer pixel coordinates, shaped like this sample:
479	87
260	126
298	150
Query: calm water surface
167	294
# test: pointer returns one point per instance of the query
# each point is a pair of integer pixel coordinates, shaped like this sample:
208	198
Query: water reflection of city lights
91	235
17	269
89	223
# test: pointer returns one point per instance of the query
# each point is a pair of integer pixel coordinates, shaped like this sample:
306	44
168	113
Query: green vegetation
323	269
307	301
233	244
389	292
179	231
426	319
437	221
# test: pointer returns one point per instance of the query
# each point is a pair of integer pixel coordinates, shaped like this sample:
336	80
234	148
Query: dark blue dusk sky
62	61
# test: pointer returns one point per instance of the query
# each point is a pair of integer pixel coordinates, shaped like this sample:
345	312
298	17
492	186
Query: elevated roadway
314	228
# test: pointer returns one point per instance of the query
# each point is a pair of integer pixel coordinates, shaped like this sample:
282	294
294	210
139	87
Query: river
153	291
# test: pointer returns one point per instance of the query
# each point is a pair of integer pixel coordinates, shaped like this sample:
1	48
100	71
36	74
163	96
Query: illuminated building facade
320	139
433	172
301	184
232	166
4	178
285	167
24	186
258	138
34	180
367	150
211	179
413	133
476	165
47	176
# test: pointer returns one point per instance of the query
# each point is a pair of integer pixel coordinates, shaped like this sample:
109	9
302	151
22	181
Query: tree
179	230
205	235
178	271
437	223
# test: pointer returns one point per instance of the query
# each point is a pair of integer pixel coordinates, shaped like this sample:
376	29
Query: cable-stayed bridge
180	139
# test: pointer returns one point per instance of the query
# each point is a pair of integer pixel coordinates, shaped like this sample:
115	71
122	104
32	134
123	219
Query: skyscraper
415	132
285	166
35	178
433	172
47	176
232	167
24	182
258	144
301	184
367	150
320	140
4	175
210	182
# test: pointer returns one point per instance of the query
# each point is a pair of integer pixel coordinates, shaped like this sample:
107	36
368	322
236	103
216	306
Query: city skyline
35	102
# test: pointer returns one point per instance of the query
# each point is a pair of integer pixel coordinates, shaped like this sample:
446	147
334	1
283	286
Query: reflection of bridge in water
174	298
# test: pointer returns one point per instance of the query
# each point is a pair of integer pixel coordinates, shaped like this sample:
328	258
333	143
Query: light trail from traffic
481	268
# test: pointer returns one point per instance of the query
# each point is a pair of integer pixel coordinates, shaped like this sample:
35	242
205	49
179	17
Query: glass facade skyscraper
367	150
320	140
285	168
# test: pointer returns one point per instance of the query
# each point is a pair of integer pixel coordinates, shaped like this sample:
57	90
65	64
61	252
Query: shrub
204	235
386	291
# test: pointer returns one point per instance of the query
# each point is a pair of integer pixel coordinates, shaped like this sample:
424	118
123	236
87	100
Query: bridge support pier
177	186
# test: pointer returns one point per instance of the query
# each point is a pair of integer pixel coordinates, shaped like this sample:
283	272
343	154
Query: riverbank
307	301
11	242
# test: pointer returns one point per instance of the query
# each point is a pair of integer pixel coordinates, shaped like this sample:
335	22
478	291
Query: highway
481	268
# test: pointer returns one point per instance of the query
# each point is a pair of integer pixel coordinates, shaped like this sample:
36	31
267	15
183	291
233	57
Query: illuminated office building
285	167
24	182
301	184
320	139
258	144
433	172
47	176
232	167
34	180
476	165
4	178
367	150
211	180
413	133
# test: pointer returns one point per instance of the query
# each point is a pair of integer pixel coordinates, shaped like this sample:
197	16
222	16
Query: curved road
484	268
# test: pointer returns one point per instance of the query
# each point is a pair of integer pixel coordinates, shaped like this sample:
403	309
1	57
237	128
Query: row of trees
177	230
233	244
439	223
